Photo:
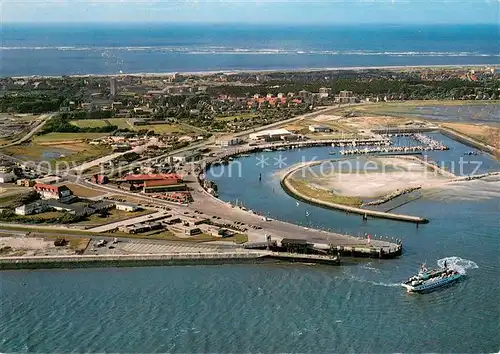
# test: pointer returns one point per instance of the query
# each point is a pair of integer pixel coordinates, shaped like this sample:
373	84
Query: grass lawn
58	137
170	236
482	133
46	216
83	192
303	188
238	117
122	123
408	107
89	154
89	123
75	152
114	215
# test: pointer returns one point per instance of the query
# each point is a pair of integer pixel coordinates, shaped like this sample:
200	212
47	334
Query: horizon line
320	24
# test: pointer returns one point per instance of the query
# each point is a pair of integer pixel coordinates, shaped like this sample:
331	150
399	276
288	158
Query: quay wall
288	188
468	141
139	260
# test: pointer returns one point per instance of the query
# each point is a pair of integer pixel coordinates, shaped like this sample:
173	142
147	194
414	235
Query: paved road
44	118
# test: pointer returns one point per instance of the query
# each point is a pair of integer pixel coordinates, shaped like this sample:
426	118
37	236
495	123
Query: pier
142	260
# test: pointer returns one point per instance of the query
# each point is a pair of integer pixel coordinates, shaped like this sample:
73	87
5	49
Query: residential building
7	177
345	97
113	86
99	179
117	105
32	208
48	191
324	92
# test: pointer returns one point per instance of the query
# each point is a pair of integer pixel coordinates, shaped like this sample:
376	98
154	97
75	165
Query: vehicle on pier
429	280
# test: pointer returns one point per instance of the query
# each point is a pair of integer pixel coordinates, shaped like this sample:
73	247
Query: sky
254	11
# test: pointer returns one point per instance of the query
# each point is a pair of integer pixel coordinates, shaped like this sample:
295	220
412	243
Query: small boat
332	153
429	280
267	150
244	155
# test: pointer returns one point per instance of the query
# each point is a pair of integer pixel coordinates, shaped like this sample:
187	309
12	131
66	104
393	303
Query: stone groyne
391	196
288	188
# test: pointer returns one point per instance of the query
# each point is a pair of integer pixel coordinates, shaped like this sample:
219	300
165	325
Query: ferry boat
428	280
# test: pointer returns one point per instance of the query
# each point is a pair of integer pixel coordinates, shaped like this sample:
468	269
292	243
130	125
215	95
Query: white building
273	134
319	129
324	92
32	208
7	177
126	207
228	141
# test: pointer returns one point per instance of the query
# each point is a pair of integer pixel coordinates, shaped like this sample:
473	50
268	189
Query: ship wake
456	263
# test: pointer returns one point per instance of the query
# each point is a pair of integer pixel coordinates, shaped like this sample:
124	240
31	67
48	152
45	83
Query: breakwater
145	260
391	196
132	260
290	189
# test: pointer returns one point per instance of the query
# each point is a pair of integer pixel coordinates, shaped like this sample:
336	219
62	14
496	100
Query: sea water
356	307
64	49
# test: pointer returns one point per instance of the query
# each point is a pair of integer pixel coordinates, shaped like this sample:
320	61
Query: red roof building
160	182
48	191
140	178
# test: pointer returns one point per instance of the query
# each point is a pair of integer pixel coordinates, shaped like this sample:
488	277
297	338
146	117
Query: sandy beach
257	71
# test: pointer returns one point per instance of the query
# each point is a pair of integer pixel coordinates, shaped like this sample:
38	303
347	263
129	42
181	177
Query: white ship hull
431	284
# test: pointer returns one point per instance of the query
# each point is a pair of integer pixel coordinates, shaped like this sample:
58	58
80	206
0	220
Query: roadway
43	119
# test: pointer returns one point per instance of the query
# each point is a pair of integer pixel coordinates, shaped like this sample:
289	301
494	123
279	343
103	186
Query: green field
409	107
114	215
54	137
89	154
122	123
303	188
89	123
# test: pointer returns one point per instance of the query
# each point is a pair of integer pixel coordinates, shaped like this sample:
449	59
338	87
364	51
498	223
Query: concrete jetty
141	260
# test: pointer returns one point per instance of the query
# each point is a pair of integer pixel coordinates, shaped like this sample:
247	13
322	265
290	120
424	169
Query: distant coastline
265	71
